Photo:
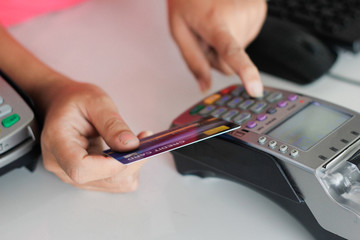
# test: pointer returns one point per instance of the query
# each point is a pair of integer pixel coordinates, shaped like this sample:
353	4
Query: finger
116	133
217	63
125	181
192	53
50	163
72	164
82	167
249	74
145	134
236	57
119	184
114	184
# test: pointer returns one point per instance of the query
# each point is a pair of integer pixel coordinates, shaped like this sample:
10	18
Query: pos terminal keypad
235	105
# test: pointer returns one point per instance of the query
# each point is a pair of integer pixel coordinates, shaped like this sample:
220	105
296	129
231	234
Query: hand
215	33
78	116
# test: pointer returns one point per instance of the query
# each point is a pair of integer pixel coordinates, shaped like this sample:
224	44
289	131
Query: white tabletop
125	47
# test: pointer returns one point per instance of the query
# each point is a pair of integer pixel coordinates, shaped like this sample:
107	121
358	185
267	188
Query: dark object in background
284	50
334	22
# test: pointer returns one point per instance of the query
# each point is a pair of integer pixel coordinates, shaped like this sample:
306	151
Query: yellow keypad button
212	99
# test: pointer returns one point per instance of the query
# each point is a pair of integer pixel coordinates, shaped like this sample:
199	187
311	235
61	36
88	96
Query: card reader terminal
300	151
18	130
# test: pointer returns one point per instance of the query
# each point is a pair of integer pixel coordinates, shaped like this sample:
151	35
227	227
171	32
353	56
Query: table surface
125	47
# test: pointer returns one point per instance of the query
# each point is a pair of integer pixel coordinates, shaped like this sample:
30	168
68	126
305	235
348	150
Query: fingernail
128	138
145	134
148	133
204	91
255	89
204	87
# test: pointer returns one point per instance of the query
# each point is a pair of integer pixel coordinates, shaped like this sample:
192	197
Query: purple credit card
174	138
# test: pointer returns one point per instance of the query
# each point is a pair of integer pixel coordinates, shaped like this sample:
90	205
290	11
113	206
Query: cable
343	79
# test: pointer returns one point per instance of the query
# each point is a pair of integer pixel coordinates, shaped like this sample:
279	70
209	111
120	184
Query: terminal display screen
309	126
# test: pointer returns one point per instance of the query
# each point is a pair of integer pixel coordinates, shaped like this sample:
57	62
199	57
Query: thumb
112	128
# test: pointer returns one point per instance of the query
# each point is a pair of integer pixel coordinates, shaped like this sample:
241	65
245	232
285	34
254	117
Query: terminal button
242	117
292	97
261	117
272	144
230	114
283	148
251	124
282	104
234	102
196	109
5	110
294	153
237	91
223	100
208	109
265	93
274	97
258	107
262	140
271	110
212	99
10	120
227	90
245	105
218	112
246	95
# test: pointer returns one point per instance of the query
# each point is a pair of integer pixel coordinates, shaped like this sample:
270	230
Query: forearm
28	72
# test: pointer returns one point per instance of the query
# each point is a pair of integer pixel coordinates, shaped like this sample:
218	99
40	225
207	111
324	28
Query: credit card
174	138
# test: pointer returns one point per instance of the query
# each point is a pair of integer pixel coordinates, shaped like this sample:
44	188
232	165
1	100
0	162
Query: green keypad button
10	120
196	109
